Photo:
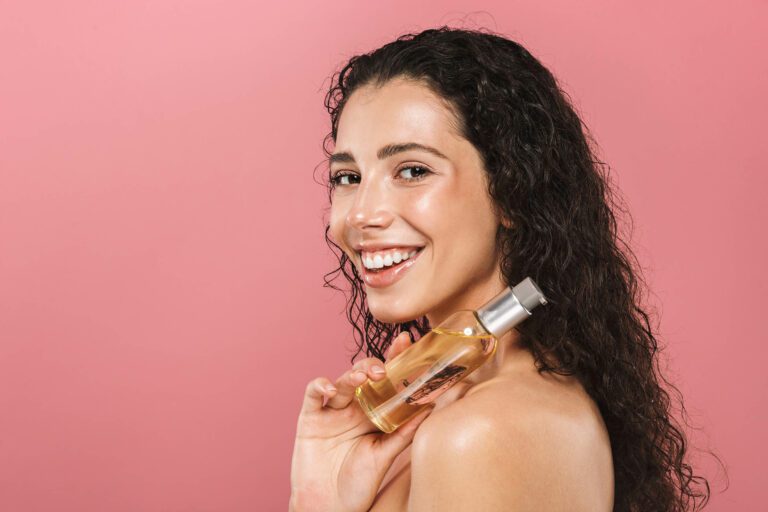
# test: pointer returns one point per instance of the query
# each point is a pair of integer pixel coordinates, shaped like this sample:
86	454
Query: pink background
161	249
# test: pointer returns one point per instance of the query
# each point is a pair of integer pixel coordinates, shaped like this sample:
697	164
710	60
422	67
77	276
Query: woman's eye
344	178
411	173
416	172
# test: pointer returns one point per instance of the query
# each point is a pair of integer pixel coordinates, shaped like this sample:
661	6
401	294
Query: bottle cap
510	307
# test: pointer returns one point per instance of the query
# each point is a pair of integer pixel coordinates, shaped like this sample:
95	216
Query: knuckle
371	361
359	366
346	376
314	384
348	413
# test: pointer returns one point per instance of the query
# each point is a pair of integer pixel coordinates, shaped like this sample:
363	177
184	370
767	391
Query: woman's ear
505	221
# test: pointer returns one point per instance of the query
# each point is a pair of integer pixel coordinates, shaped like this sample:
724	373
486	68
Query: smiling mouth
388	267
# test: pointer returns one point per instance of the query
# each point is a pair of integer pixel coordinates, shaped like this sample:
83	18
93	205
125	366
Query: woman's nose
371	208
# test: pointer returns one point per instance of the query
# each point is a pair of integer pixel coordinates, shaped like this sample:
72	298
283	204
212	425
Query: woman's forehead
396	112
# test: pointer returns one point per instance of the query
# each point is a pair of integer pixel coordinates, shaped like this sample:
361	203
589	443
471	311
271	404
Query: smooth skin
503	439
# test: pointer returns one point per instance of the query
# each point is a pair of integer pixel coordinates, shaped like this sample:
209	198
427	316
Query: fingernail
377	370
330	389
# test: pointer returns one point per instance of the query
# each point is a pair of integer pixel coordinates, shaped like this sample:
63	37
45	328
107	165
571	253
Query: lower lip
391	275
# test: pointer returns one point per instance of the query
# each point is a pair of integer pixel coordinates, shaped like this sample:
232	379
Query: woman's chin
389	316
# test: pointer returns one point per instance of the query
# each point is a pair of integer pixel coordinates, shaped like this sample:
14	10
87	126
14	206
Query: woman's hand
339	456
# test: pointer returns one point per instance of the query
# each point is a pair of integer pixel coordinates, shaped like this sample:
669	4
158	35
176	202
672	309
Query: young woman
459	161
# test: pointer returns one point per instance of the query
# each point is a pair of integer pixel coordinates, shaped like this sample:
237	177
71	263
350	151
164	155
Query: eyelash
335	180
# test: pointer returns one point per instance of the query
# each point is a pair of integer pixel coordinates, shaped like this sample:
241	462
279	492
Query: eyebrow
387	151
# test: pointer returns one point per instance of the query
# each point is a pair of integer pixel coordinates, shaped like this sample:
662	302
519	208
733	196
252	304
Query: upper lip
372	246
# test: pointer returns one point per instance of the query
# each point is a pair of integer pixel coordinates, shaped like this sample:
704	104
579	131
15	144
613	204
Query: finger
392	351
392	444
361	371
399	344
316	391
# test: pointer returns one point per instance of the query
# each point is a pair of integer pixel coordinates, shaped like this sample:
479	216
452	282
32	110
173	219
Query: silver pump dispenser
510	307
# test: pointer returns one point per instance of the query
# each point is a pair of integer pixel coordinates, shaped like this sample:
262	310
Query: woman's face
388	203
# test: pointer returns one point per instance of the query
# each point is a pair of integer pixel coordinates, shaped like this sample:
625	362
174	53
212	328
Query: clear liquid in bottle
425	370
444	356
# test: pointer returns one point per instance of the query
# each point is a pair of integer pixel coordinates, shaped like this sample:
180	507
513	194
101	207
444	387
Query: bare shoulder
531	442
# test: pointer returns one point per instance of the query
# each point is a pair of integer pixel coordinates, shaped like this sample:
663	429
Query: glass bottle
444	356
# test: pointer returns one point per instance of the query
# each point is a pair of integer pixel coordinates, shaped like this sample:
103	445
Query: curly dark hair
545	178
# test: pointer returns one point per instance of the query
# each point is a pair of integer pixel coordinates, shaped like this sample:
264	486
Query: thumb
392	444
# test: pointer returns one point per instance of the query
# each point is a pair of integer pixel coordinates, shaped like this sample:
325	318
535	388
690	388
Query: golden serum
444	356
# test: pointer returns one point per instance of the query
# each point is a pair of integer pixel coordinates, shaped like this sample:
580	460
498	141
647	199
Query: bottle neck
501	314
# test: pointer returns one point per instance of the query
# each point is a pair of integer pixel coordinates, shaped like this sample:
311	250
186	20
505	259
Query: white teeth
387	260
